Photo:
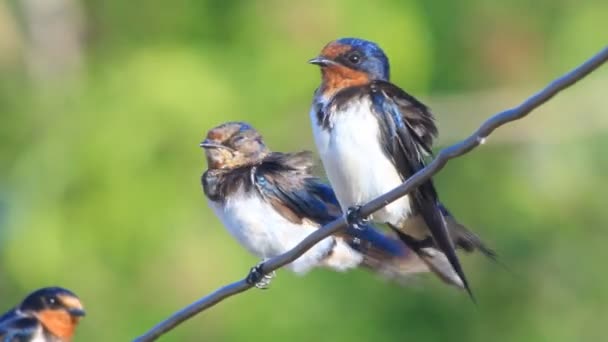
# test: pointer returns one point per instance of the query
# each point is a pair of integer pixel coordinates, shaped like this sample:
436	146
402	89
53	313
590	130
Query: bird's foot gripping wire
258	278
354	217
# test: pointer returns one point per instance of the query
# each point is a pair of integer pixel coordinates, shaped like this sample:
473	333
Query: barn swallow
49	314
371	136
270	201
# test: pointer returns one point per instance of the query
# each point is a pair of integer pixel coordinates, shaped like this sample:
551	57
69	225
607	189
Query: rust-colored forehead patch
223	132
216	134
70	302
335	49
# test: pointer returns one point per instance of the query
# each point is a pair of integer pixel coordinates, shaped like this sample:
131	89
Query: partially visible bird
372	136
270	201
49	314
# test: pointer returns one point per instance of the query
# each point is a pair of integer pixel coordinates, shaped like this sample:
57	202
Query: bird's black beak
77	312
321	61
208	144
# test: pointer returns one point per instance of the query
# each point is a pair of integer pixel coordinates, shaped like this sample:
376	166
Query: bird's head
58	310
233	144
348	62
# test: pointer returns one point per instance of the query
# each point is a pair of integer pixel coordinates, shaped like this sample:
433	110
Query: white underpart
357	167
266	233
38	336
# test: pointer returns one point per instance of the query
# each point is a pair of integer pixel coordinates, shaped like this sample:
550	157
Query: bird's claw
264	283
354	217
258	278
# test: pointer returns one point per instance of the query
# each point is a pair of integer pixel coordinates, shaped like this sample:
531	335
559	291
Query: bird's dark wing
464	238
405	112
407	131
369	240
11	314
285	181
17	328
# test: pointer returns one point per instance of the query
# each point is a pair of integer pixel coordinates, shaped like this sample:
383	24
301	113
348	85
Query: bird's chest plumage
354	160
41	336
257	225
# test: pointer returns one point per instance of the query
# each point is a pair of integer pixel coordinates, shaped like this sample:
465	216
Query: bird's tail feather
439	264
435	260
390	257
467	240
386	255
400	269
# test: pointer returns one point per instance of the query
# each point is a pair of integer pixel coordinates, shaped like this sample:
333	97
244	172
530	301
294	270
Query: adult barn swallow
270	201
50	314
371	136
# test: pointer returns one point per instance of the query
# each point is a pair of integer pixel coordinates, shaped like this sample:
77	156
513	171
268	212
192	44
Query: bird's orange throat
59	323
337	77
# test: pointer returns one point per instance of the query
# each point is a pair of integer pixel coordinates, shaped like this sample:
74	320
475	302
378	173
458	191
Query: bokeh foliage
99	168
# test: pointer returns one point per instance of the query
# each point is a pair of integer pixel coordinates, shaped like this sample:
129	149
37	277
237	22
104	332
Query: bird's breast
266	233
257	225
357	166
39	336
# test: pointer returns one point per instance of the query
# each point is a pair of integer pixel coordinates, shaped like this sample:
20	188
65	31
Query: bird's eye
52	300
354	58
238	139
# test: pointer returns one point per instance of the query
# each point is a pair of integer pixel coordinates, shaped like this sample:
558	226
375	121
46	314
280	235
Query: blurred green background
103	104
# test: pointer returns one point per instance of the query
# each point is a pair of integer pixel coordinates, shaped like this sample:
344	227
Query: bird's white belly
265	232
38	336
355	163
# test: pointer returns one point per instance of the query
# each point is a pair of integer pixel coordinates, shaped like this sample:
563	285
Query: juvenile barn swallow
270	201
50	314
371	136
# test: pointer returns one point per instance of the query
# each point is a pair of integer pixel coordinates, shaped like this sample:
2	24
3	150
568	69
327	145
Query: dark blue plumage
374	62
19	329
305	196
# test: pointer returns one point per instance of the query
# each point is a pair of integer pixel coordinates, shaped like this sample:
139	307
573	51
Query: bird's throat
338	77
58	323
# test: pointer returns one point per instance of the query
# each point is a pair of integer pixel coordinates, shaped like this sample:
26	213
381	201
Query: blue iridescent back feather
15	328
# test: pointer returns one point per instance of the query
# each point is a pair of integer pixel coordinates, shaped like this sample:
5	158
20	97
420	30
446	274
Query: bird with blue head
372	136
50	314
